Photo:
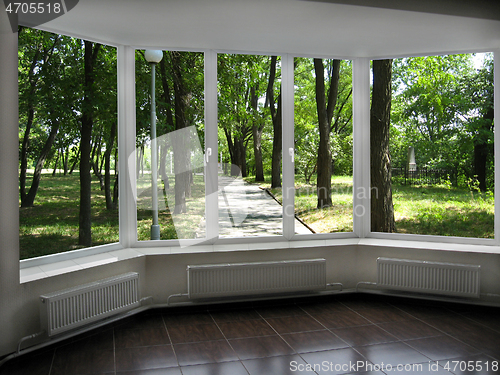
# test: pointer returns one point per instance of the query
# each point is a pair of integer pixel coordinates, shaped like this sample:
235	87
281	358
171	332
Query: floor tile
341	319
224	368
364	335
289	324
194	333
280	311
314	341
145	358
384	314
187	318
281	365
339	361
131	338
488	317
442	347
363	302
412	329
29	364
142	321
68	362
395	353
259	347
323	308
204	352
246	328
433	332
158	371
424	311
234	315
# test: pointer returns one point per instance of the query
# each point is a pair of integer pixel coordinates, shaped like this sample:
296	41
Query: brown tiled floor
342	334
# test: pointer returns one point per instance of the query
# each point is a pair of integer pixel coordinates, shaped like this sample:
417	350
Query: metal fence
423	176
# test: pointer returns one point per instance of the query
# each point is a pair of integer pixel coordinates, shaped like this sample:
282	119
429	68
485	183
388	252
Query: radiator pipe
336	284
28	338
364	283
145	299
176	295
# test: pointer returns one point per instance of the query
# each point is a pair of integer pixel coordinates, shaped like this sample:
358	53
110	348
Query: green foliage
306	120
439	106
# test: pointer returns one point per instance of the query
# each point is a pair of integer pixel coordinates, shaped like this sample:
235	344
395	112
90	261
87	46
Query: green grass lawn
51	226
433	210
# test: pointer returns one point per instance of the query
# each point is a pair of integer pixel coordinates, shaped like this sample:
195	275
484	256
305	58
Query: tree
91	51
276	117
325	103
382	210
477	107
38	68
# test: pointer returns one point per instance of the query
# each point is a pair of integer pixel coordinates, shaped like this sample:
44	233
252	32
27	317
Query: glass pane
323	146
68	144
441	146
249	109
170	167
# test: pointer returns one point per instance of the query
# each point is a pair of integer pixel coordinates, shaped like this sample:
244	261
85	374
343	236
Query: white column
126	145
211	143
287	97
361	148
11	297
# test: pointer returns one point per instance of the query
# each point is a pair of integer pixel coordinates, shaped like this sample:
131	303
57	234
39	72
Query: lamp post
154	57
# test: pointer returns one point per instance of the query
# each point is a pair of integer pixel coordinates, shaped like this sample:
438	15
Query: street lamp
154	57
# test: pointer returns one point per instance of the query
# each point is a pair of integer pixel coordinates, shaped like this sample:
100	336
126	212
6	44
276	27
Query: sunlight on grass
183	226
51	226
443	211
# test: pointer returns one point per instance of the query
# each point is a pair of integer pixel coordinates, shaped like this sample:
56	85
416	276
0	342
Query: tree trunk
482	149
276	119
95	163
382	210
257	150
257	129
65	161
29	199
182	167
87	120
77	159
56	162
325	115
107	168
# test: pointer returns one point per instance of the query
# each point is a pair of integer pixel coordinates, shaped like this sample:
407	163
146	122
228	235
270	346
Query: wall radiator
460	280
243	279
71	308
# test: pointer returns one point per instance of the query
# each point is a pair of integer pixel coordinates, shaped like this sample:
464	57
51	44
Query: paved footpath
247	210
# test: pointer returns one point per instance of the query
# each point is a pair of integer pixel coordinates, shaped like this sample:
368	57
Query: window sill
32	272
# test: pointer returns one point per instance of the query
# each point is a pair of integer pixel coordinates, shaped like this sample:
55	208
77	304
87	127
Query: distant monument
412	165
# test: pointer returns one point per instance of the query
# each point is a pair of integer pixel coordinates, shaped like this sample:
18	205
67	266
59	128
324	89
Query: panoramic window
169	158
323	146
68	194
432	152
250	149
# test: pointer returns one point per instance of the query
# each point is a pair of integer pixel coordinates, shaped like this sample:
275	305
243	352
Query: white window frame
361	171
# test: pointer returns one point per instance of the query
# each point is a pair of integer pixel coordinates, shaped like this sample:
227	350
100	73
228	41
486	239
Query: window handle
208	153
292	154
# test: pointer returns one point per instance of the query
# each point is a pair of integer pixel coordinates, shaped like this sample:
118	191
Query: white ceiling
309	28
